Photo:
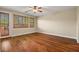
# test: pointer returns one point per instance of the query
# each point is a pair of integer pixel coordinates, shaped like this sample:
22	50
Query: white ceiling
47	9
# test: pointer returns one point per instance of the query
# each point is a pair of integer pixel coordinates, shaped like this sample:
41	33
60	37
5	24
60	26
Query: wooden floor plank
38	42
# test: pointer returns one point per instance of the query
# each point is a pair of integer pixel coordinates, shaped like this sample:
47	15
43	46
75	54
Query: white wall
17	31
62	23
78	24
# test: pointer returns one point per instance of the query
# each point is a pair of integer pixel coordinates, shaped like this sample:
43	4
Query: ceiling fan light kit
36	9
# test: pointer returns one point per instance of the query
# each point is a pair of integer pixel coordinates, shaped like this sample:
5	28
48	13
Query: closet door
4	24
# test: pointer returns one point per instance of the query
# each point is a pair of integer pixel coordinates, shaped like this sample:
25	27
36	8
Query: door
4	24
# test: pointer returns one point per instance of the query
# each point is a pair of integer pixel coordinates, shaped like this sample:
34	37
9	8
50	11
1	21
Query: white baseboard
16	35
77	40
59	35
22	34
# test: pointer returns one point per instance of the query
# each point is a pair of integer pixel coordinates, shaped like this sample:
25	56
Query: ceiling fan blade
39	7
27	11
40	10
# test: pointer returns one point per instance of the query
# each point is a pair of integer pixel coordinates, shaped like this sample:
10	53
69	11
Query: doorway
4	24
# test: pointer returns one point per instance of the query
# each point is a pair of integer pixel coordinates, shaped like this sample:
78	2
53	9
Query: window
20	21
26	22
32	22
4	23
23	21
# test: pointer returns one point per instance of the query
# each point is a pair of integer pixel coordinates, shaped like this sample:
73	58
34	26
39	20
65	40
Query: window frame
32	22
20	25
26	24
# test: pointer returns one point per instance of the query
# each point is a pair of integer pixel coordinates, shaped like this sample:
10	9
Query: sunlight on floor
6	45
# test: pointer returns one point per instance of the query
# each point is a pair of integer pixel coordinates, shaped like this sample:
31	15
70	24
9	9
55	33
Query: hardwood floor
38	42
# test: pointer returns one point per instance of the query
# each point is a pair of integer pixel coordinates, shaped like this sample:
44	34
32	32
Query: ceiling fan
35	9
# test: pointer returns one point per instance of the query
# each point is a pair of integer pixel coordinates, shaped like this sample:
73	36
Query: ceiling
47	9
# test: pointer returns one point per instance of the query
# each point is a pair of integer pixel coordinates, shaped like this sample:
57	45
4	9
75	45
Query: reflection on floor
38	42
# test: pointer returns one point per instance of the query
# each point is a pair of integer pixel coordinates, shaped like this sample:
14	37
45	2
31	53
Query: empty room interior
39	29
